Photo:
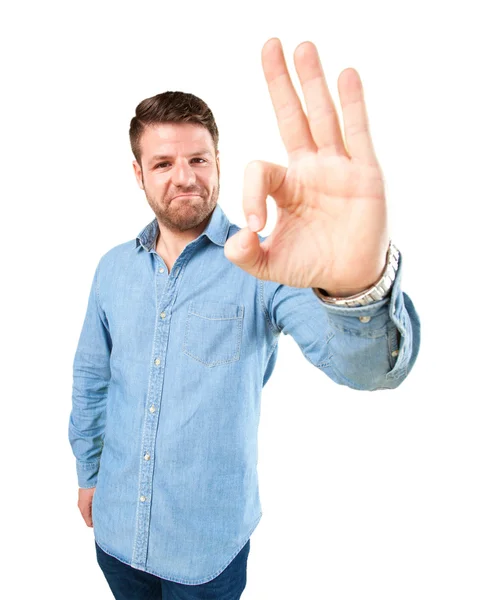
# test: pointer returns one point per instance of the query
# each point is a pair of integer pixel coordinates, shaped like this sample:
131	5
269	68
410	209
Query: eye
161	165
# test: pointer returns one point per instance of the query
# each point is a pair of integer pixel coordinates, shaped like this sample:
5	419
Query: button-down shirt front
167	382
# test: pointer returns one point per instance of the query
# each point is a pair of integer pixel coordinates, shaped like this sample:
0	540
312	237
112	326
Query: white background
364	494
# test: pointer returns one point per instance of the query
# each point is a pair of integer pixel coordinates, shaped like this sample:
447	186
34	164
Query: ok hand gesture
331	230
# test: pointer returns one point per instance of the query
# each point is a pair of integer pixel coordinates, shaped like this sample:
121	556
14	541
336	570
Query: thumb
244	250
261	179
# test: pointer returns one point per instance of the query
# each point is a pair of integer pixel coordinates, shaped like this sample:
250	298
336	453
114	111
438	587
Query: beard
181	214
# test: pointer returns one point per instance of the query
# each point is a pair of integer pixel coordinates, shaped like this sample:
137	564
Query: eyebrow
164	156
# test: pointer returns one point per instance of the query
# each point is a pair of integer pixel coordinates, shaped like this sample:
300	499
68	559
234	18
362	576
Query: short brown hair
170	107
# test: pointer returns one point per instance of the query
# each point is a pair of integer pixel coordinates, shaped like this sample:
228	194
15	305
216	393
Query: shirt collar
216	230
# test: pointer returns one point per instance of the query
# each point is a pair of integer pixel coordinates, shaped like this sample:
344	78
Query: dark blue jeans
128	583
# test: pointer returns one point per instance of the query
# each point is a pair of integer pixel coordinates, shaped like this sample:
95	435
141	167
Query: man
182	326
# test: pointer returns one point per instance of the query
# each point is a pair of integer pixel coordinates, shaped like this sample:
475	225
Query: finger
292	122
86	511
356	125
245	250
322	114
261	179
86	515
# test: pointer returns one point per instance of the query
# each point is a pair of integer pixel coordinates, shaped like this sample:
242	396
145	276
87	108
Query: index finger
293	124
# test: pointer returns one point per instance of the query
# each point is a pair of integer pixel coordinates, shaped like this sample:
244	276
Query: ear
137	170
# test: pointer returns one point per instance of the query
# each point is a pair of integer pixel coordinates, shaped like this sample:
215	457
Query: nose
182	174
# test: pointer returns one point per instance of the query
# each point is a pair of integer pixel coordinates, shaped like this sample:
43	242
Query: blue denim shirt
167	382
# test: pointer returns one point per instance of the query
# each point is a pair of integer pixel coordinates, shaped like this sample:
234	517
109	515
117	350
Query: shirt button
364	319
394	352
162	270
157	361
152	408
147	456
162	315
142	498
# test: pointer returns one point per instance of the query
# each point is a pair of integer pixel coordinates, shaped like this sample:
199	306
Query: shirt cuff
87	473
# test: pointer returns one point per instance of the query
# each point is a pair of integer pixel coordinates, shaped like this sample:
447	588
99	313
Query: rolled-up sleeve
369	347
91	376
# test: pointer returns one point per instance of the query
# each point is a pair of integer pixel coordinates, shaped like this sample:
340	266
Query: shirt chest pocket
213	332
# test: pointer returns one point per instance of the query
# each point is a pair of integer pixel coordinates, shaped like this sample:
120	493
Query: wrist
379	290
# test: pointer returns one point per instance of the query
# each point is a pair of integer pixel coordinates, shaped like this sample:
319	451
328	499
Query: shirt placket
165	298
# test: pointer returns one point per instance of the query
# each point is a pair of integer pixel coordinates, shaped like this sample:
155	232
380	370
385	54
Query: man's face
178	158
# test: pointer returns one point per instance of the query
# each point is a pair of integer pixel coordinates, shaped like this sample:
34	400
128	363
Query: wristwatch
376	292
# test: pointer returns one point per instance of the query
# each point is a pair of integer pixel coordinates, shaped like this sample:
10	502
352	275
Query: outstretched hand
331	230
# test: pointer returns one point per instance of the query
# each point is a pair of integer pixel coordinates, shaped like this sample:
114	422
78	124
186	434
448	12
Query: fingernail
253	222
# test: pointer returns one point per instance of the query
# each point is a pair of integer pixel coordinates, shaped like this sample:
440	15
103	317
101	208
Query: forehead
175	138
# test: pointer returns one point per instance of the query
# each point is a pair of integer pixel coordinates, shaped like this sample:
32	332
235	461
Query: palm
331	228
312	237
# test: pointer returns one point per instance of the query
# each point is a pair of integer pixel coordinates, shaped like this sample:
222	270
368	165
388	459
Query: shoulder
118	255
